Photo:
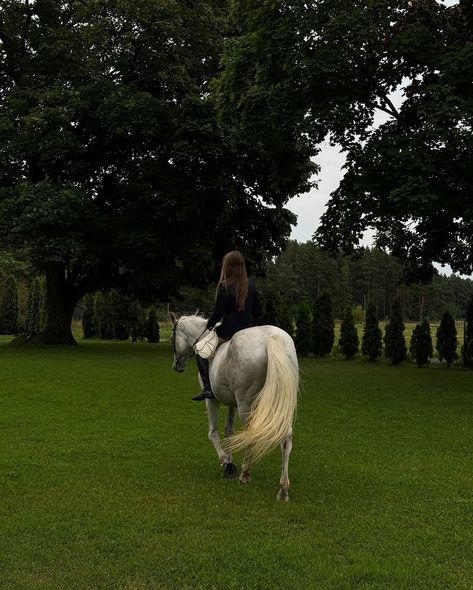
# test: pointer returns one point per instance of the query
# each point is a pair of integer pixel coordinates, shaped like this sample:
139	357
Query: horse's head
185	331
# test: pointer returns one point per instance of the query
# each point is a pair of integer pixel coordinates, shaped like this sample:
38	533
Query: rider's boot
206	393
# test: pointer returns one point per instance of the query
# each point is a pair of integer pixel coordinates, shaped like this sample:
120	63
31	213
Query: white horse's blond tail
273	410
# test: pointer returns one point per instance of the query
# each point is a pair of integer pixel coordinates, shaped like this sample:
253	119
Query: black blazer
226	309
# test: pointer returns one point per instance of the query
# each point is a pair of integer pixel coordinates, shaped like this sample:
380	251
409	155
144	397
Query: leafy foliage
298	71
33	317
270	310
467	348
420	347
371	345
9	307
112	160
446	339
394	341
285	319
348	340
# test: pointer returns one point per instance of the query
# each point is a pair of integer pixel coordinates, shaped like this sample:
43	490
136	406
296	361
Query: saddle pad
207	345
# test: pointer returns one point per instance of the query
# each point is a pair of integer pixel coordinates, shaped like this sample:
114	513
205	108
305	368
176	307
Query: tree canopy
307	70
113	167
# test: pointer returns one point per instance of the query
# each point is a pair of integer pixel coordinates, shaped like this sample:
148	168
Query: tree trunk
60	304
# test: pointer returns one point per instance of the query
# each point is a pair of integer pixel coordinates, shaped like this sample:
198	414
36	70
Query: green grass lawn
108	481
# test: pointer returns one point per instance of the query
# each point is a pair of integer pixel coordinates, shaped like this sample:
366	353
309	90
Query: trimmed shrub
101	319
303	329
122	317
323	326
348	341
152	326
138	325
9	307
421	348
88	324
446	339
394	342
371	345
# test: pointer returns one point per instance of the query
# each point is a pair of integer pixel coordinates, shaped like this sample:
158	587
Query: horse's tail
273	410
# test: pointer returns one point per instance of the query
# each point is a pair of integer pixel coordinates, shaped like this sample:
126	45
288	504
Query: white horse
256	373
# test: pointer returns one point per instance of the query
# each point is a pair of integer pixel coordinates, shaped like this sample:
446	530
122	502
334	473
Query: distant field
108	481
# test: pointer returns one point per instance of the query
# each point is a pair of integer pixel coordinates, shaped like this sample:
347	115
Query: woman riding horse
236	304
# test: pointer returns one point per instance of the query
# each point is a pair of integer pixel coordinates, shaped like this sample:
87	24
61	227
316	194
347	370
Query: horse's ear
197	312
173	318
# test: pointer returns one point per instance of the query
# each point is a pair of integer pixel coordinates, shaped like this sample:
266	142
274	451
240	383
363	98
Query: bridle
180	357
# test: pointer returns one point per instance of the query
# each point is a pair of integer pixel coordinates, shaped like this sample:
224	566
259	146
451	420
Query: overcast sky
309	207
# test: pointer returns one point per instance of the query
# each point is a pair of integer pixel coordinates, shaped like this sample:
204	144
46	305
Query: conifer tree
100	315
120	307
421	344
270	311
371	345
138	322
467	348
394	341
348	342
33	312
152	326
88	324
323	326
9	307
446	339
108	319
303	329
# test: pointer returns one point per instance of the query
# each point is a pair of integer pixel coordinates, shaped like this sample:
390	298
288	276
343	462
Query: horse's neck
195	325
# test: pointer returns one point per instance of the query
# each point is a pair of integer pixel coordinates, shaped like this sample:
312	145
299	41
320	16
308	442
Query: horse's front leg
286	447
225	458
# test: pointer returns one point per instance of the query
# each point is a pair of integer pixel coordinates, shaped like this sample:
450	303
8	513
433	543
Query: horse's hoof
282	496
229	470
244	479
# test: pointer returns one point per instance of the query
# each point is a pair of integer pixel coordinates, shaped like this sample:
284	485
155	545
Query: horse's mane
188	318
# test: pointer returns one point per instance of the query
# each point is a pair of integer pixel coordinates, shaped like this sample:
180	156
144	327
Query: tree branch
385	110
385	103
394	111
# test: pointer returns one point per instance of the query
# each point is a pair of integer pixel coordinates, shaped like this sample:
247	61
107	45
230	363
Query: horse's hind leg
230	423
245	476
225	458
229	469
286	447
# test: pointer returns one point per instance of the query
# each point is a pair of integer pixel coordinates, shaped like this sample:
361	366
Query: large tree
113	168
307	69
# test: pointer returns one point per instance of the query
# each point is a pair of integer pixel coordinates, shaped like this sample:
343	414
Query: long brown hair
234	270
